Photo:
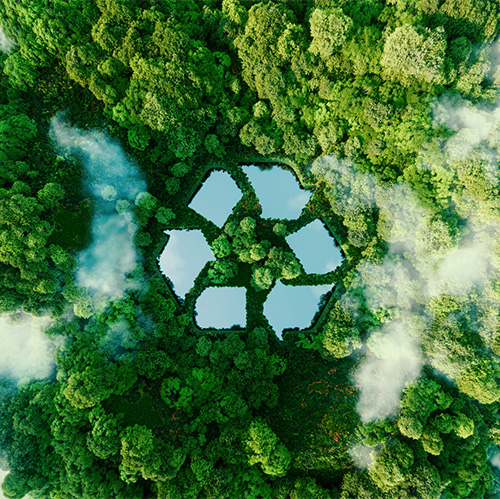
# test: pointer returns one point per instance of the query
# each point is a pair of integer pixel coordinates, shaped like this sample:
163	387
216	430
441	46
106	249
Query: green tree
420	400
164	215
15	486
50	195
221	271
262	278
104	440
330	29
413	56
16	134
138	454
480	381
263	447
339	337
392	465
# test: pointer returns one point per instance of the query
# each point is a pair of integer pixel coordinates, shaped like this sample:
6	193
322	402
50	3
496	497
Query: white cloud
394	361
108	168
3	474
104	266
362	455
426	258
6	44
26	353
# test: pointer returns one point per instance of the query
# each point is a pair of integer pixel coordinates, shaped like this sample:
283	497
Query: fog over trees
114	113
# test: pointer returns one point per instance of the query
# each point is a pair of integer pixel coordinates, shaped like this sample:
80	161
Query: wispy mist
362	455
118	340
110	174
26	353
392	288
393	361
476	126
6	44
3	474
104	267
494	459
427	256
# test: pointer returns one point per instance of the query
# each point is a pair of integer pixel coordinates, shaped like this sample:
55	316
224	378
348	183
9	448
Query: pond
293	306
183	257
315	248
221	308
281	197
217	197
278	191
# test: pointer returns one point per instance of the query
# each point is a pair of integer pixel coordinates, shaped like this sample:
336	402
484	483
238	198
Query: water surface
280	197
183	257
221	308
292	306
315	248
278	191
217	197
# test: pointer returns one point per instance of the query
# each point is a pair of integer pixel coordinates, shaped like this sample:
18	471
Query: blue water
292	306
278	191
280	197
217	197
315	248
221	308
183	258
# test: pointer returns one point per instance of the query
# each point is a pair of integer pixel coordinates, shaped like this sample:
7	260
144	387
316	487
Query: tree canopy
113	112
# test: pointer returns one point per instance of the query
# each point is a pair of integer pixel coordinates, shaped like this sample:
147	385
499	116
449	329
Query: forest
113	113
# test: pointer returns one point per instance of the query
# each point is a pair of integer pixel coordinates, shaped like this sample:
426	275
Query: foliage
402	96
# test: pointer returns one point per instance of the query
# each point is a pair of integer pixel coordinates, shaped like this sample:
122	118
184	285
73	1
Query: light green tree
330	29
263	447
412	55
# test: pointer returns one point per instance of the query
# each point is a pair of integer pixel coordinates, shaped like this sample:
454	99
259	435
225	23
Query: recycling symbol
254	252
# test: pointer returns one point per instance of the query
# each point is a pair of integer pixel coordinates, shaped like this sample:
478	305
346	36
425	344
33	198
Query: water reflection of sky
221	308
315	249
278	191
280	197
217	197
183	258
292	306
